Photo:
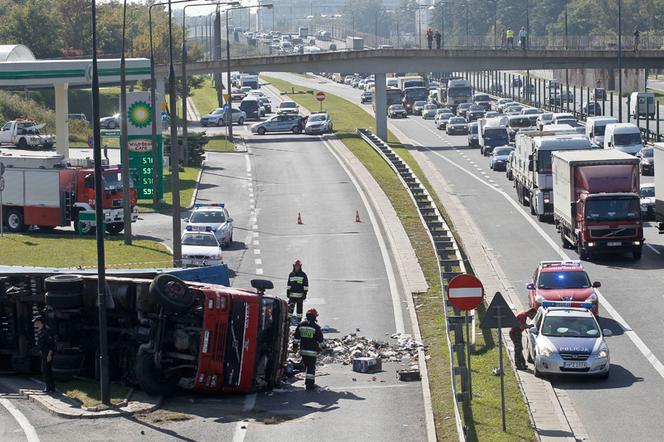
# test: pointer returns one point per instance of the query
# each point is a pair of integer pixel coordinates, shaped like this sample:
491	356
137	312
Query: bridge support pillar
62	119
380	99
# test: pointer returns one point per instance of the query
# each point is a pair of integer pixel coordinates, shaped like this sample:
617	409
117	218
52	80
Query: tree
34	25
75	24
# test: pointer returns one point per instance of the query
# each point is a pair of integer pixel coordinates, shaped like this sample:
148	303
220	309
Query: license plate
574	365
614	243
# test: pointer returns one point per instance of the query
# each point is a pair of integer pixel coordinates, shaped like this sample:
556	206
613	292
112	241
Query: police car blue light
548	304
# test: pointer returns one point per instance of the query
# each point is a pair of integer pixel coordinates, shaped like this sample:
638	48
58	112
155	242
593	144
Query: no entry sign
320	96
465	292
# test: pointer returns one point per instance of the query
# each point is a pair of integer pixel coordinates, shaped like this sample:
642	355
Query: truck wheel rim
13	221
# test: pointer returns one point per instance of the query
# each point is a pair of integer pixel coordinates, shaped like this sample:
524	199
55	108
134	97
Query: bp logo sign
139	114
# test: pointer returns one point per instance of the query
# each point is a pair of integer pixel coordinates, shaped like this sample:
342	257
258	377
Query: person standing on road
430	38
523	37
437	36
515	336
46	345
308	339
637	37
509	34
298	286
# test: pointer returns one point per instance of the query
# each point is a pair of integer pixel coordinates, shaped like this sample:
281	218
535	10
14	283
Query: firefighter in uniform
298	286
309	340
46	344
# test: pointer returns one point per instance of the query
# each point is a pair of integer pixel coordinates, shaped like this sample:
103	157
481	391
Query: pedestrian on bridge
502	39
510	38
430	38
515	335
437	36
296	291
637	37
308	339
523	37
46	345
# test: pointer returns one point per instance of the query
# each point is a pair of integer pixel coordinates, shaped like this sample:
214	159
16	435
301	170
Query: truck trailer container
597	202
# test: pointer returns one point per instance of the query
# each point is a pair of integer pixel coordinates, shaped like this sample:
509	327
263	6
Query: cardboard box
367	365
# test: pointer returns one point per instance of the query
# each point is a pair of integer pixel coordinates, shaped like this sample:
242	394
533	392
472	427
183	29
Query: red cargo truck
47	192
596	201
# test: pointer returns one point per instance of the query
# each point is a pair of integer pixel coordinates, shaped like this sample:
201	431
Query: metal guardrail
450	262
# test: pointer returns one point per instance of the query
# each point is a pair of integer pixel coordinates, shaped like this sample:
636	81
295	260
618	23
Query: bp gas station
20	69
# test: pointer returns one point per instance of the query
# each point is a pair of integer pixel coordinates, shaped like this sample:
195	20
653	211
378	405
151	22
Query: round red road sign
320	96
465	292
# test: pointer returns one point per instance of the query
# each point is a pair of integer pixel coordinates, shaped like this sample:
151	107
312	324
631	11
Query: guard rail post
611	102
574	93
628	110
604	103
657	103
588	101
647	117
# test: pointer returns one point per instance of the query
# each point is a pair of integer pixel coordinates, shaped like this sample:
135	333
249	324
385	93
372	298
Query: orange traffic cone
357	216
299	218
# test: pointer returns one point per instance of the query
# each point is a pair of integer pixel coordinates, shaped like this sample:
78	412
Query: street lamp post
124	146
620	118
566	39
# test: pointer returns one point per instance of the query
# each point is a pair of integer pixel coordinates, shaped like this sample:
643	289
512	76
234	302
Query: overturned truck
163	333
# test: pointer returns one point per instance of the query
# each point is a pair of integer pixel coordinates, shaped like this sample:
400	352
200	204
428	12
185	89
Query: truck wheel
636	253
149	378
583	255
83	227
64	300
563	240
22	143
48	146
171	293
15	221
114	228
63	283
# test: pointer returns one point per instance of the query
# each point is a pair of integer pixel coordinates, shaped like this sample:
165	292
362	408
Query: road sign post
320	96
2	189
499	315
465	293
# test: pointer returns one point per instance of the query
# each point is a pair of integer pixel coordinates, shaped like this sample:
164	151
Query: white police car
566	339
200	249
212	218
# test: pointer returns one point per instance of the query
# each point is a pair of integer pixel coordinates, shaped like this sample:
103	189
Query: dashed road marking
258	261
24	423
257	251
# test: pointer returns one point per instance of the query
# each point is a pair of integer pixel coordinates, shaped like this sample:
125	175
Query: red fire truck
47	191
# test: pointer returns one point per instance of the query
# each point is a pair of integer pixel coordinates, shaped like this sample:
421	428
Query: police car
200	249
563	281
566	339
212	218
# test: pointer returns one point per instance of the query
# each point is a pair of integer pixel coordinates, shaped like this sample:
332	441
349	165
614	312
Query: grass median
71	250
88	392
188	179
483	419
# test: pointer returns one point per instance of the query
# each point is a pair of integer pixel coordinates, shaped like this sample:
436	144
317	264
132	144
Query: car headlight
592	297
546	351
539	299
603	353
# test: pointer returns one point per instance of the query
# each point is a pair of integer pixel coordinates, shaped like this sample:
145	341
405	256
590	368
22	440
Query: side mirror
597	284
230	220
532	329
530	286
186	220
607	332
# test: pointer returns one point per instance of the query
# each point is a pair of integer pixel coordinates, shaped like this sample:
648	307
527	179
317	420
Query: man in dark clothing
298	286
308	339
515	336
437	36
637	37
430	38
46	345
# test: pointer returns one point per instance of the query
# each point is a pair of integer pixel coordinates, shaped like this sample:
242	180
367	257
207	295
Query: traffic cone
357	216
299	218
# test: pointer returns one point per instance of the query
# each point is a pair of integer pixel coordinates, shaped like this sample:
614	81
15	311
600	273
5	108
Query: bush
196	142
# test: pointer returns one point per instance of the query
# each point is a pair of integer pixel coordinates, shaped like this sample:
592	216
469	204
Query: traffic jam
582	176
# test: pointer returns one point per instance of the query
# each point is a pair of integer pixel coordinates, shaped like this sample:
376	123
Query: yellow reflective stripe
306	287
307	332
308	353
310	376
296	295
298	279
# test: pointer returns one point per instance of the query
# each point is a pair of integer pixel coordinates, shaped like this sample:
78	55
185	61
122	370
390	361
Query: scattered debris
495	371
367	365
412	374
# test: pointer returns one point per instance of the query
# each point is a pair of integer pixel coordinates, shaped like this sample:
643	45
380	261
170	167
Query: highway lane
632	288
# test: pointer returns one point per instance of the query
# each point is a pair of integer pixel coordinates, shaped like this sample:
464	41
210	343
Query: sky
199	10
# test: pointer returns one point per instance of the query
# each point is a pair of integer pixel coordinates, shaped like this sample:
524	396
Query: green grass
205	98
219	143
87	392
484	419
187	186
71	250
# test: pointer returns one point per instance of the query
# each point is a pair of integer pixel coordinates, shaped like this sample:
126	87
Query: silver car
218	117
429	111
112	122
200	249
457	125
212	218
318	123
567	340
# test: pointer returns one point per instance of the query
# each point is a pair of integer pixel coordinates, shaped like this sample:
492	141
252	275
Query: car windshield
647	192
419	103
397	107
430	107
457	121
599	209
463	106
199	239
288	105
570	327
563	280
519	122
599	130
207	216
112	181
502	151
482	98
217	112
317	118
647	153
458	91
514	108
546	117
626	139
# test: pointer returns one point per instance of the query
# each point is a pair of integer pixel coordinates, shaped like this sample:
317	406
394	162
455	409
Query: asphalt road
620	408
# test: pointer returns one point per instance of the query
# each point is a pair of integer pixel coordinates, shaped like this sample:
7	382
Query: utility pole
175	148
620	117
124	146
219	85
229	123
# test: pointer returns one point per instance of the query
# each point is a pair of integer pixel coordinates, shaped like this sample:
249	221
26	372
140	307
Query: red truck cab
563	281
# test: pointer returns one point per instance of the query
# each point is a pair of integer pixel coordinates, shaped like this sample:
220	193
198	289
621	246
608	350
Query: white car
566	339
200	249
288	107
648	201
429	111
212	218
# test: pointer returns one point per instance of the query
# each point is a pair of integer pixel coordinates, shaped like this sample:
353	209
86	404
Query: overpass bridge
382	61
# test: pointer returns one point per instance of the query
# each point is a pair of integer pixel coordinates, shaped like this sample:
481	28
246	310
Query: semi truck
532	166
411	81
163	333
491	133
25	134
411	95
596	202
47	192
392	96
458	91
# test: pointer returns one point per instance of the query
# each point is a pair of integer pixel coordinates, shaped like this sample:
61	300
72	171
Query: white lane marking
256	242
255	227
256	233
631	334
653	249
241	427
394	293
258	261
259	271
248	161
26	426
257	251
